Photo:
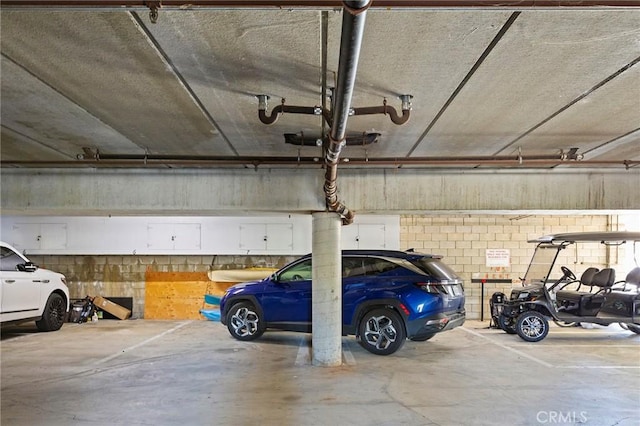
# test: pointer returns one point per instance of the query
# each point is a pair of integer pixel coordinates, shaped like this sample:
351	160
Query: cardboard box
113	308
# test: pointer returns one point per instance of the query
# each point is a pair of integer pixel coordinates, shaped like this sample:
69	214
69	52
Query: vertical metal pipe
324	42
350	43
353	20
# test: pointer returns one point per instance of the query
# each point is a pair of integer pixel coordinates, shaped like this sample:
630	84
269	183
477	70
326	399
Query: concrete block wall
462	240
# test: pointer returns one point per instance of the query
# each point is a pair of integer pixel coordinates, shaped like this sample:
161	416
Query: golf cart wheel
244	322
507	324
381	331
631	327
532	326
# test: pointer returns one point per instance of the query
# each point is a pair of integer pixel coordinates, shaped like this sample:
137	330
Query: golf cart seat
569	300
587	303
624	302
633	278
585	280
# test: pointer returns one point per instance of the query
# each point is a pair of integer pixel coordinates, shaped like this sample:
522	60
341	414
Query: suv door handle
9	281
41	281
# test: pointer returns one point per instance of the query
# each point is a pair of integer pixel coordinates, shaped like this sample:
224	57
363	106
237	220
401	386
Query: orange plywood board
179	295
175	295
167	300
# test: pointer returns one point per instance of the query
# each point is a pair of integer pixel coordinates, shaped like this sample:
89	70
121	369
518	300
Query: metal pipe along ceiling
381	4
353	20
155	161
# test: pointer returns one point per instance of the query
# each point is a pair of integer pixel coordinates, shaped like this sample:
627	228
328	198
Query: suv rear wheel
381	331
244	322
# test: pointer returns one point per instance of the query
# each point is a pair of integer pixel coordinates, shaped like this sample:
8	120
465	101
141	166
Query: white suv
30	293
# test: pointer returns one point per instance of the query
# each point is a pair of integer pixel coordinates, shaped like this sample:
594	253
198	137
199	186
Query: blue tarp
211	314
211	299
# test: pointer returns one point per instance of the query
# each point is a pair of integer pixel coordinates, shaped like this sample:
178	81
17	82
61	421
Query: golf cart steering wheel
568	273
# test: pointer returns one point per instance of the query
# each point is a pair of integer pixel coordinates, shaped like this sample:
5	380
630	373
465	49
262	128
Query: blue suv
387	296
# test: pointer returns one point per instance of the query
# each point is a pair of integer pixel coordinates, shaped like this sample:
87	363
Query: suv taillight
450	289
433	288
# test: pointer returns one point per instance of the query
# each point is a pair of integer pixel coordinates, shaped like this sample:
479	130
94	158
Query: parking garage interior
149	148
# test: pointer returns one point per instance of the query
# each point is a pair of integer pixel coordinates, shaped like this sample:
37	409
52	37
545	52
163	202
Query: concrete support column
326	296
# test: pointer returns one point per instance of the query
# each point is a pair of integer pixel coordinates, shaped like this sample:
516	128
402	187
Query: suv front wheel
244	322
381	331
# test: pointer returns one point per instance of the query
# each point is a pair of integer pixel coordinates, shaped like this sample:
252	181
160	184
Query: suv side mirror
27	267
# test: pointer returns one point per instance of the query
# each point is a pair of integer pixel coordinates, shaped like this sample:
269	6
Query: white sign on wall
498	257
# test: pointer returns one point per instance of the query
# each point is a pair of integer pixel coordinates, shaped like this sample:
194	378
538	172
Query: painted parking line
546	364
304	353
144	342
596	367
347	356
602	346
510	349
589	330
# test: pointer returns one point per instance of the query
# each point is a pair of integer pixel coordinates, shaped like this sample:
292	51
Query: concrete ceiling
487	83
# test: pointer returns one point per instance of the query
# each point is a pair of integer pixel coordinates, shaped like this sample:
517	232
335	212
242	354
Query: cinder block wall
461	239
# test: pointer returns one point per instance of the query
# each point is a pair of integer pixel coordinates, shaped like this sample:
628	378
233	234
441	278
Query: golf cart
595	298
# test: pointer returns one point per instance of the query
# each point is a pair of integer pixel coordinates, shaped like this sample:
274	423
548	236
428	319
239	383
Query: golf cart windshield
541	264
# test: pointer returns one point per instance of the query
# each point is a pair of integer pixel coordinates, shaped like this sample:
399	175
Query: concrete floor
140	372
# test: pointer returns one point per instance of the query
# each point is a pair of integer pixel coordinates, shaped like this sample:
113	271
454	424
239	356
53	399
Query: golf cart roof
609	237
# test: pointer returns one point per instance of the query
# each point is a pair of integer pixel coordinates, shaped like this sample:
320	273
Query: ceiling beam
315	4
